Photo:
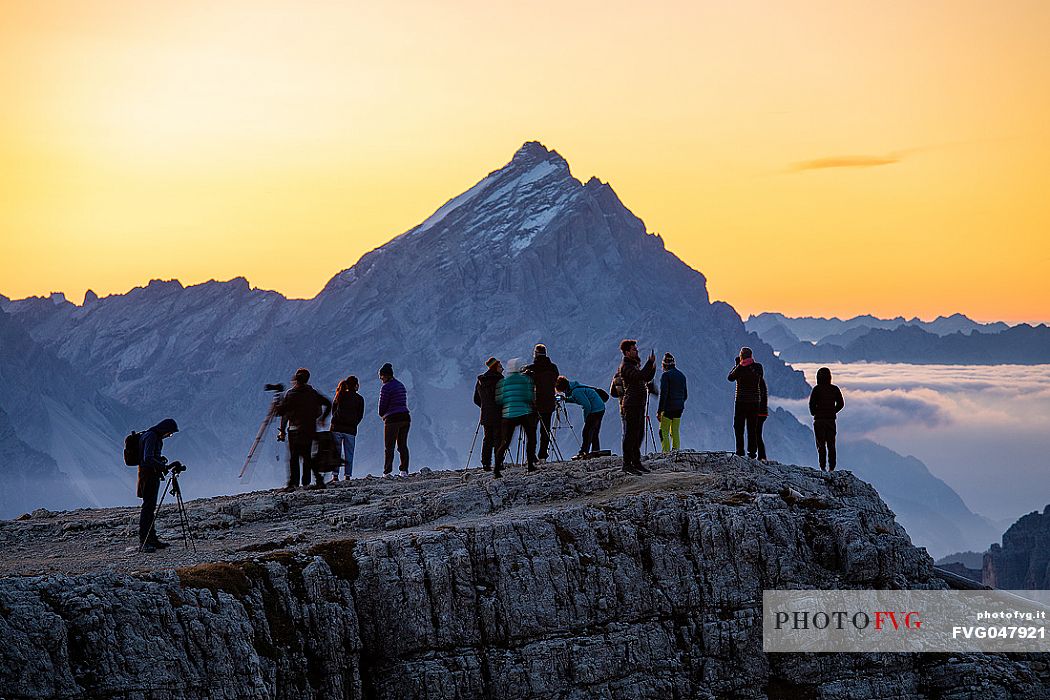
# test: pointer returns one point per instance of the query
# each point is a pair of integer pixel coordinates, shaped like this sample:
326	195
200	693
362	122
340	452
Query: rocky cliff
1023	559
575	582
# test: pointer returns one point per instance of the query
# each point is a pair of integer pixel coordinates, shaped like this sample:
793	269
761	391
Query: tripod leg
472	443
184	520
258	438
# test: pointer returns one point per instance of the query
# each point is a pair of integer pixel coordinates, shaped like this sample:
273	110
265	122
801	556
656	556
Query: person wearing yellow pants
673	395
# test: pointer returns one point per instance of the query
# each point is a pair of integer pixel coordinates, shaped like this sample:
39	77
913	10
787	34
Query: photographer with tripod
544	375
300	409
631	385
152	467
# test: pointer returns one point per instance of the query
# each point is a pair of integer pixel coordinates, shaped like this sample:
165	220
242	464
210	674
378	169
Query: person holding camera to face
153	465
631	385
749	385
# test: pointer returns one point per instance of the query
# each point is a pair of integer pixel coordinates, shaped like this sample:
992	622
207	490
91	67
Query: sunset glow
830	158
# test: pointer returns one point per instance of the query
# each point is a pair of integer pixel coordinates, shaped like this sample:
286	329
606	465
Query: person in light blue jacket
593	406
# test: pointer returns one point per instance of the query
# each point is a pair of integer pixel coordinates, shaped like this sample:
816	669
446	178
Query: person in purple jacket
393	409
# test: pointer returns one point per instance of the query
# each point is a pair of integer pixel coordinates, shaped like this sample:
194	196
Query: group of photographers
525	396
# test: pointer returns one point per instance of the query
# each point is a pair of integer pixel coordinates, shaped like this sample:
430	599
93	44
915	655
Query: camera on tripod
177	467
274	387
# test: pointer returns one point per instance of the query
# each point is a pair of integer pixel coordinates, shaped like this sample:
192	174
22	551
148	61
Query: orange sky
808	157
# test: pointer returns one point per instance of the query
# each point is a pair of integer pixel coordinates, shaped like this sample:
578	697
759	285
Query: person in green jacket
516	396
593	412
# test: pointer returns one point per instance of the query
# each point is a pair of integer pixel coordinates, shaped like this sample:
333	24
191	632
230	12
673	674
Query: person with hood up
825	402
393	409
748	377
673	395
491	414
516	396
348	409
593	411
631	385
153	465
300	409
544	374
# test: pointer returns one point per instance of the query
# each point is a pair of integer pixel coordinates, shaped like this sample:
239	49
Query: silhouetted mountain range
529	254
818	329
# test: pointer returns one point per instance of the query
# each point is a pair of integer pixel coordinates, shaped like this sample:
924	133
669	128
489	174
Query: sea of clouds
985	430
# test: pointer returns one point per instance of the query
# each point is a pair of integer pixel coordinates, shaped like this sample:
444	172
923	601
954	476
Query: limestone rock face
574	582
1023	559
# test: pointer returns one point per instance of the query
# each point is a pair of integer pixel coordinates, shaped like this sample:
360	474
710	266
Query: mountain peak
533	153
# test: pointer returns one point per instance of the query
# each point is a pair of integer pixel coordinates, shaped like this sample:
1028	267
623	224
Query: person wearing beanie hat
544	374
393	409
300	409
491	415
673	395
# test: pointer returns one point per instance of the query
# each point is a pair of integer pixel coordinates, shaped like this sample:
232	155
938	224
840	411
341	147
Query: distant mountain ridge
529	254
816	329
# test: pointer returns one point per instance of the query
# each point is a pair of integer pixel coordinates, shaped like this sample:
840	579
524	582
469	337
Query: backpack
602	393
133	449
326	452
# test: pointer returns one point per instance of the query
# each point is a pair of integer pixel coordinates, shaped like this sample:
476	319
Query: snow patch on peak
453	204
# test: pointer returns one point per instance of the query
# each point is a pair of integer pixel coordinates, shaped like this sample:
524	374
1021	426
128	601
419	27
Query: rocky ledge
573	582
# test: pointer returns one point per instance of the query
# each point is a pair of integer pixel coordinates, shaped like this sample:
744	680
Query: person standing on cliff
393	409
763	414
631	385
748	377
516	396
152	467
491	415
825	402
673	395
300	409
544	374
348	409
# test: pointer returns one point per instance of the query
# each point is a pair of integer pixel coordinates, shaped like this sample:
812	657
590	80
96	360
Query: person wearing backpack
348	409
825	402
516	396
544	374
673	395
593	405
631	385
153	465
300	409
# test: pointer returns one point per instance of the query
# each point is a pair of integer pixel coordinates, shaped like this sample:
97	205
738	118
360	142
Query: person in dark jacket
491	414
544	374
348	409
763	413
393	409
673	395
631	385
748	377
593	411
825	402
516	396
300	409
152	467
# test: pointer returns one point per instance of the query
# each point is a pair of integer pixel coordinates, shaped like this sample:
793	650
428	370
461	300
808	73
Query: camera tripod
649	427
172	486
560	414
271	413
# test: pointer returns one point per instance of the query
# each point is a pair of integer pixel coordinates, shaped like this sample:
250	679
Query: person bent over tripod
516	395
300	409
593	411
152	467
393	409
631	386
491	415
